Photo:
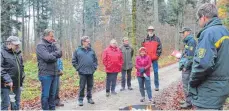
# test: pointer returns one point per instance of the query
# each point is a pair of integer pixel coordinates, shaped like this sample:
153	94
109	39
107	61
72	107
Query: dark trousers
155	70
57	97
185	79
86	79
128	73
142	81
5	99
111	82
49	85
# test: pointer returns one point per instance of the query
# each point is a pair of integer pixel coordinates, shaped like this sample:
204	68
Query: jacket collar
113	48
150	36
10	50
46	42
82	48
213	22
186	39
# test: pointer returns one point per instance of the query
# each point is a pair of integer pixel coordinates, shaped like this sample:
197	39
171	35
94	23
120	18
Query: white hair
113	41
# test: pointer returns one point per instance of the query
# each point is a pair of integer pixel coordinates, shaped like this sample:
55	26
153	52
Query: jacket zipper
17	61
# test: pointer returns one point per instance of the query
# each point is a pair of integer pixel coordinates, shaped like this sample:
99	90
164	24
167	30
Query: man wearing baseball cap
185	64
12	72
153	46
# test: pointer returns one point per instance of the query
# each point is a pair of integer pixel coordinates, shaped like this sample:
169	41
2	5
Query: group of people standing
204	66
118	59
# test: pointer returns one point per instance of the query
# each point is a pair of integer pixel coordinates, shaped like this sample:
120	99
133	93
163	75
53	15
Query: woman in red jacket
143	63
112	60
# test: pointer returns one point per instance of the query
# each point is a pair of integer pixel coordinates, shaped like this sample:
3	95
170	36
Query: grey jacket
84	60
128	53
47	55
12	68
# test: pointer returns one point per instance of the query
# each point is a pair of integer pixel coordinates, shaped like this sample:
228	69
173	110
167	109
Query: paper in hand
176	54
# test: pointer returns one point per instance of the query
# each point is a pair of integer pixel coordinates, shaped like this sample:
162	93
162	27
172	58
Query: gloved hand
142	70
180	68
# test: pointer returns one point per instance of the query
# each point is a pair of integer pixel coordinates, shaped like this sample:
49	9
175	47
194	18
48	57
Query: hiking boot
91	101
156	89
151	101
80	102
142	100
107	94
114	93
185	106
130	88
59	104
122	89
182	101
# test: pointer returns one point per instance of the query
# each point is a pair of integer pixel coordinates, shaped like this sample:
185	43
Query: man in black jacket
47	55
12	72
84	60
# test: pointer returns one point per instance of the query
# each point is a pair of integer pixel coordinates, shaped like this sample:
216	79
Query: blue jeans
6	99
141	82
49	86
155	70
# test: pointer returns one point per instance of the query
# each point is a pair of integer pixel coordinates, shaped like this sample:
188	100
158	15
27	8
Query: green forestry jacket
209	80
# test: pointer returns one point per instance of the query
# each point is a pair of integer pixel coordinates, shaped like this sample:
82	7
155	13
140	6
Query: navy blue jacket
209	79
84	60
188	53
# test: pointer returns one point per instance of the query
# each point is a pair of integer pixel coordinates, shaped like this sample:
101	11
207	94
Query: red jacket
153	46
112	59
143	62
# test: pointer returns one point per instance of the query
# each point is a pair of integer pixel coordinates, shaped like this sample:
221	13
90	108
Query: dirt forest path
167	75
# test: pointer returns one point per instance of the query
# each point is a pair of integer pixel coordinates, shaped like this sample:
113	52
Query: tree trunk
83	15
156	20
34	24
23	28
28	35
134	10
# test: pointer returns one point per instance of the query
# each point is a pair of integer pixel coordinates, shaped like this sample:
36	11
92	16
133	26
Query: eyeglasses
88	41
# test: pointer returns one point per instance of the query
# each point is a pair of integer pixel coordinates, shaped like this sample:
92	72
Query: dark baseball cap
185	29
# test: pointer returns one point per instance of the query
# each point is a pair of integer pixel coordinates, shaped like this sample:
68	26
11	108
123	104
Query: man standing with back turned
209	80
